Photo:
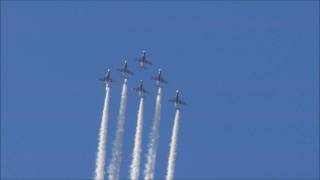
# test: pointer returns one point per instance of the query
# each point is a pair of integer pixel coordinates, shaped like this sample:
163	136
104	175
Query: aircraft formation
143	62
115	164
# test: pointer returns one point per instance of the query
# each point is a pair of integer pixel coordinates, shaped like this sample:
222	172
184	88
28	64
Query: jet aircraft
125	71
140	89
107	78
177	100
159	79
143	60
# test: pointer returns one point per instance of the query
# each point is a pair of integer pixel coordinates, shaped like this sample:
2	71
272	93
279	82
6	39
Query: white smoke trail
152	147
114	167
100	161
135	164
173	147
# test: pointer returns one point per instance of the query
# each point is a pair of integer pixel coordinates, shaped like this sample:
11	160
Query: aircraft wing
182	102
129	72
105	79
145	91
164	81
148	62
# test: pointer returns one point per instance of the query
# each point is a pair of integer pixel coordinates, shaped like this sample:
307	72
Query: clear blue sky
248	70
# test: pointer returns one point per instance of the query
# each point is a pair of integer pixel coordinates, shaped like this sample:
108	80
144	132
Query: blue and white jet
177	100
143	60
140	89
107	78
159	79
125	71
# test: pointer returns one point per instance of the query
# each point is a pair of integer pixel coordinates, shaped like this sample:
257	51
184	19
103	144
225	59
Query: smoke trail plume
114	167
100	161
135	164
152	147
173	147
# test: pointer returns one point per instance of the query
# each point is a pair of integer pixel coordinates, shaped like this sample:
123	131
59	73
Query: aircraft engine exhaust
136	155
114	168
100	161
173	147
152	147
